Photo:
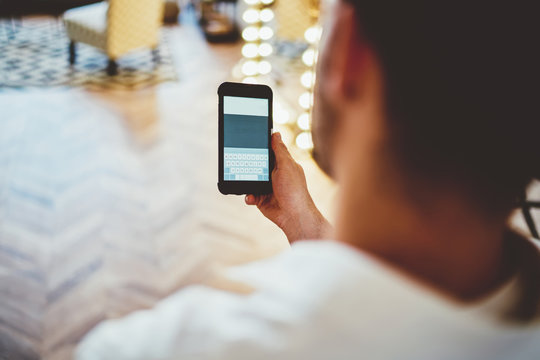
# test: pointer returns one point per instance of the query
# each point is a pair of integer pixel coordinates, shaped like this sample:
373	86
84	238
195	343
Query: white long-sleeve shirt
319	300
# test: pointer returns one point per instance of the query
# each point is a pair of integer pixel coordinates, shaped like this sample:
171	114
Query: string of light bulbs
257	35
257	47
312	36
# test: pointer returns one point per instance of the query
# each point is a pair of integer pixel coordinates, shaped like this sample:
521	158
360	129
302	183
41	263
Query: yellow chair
116	27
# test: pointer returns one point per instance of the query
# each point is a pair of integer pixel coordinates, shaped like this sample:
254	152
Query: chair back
133	24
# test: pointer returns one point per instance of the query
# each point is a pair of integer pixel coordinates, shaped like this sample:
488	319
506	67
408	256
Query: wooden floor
108	201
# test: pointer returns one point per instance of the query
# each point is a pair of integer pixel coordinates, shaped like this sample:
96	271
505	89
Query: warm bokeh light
303	141
313	34
303	121
250	16
255	50
307	79
250	50
265	49
266	33
266	15
251	33
309	57
305	100
250	80
264	67
281	115
250	68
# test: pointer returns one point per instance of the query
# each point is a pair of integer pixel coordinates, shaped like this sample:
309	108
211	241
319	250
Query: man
424	117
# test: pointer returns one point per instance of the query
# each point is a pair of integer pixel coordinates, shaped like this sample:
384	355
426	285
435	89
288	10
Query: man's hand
290	206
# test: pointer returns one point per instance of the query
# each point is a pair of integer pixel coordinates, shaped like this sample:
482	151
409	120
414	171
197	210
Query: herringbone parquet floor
108	201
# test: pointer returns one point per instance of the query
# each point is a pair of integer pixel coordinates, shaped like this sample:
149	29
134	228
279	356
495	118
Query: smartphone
245	160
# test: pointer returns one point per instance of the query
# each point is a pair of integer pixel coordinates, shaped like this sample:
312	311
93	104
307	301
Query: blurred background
108	173
108	153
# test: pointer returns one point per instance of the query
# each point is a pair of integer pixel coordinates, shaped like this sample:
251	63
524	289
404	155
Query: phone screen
245	139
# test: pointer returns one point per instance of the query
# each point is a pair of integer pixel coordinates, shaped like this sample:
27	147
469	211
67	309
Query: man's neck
442	240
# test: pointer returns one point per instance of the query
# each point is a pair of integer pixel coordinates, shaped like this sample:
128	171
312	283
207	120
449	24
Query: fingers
255	199
258	200
251	200
280	150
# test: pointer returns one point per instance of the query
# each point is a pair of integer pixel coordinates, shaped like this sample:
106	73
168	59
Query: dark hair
462	86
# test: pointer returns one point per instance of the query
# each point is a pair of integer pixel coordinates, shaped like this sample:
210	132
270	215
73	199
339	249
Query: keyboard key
247	177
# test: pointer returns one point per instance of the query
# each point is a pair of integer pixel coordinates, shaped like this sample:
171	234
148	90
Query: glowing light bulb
250	16
303	121
265	49
250	33
264	67
267	2
250	68
251	2
250	50
266	33
305	100
307	79
308	57
313	34
303	140
250	80
281	116
266	15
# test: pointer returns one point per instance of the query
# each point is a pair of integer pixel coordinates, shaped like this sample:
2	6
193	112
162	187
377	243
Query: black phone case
244	187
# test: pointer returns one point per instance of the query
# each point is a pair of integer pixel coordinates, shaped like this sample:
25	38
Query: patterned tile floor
34	52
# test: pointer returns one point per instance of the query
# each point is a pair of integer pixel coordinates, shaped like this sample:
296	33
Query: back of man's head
461	81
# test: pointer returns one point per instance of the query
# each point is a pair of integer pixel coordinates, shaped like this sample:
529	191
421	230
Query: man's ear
343	63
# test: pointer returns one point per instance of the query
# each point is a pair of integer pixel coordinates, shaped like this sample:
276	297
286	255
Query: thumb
280	150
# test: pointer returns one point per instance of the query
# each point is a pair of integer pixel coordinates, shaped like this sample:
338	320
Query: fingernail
247	199
278	135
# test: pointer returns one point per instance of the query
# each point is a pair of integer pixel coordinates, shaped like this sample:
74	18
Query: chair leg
155	56
112	68
72	53
12	28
